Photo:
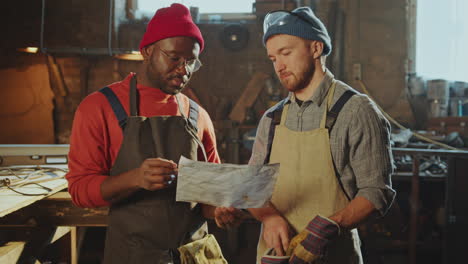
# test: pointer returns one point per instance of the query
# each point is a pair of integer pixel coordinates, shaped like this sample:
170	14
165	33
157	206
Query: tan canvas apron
143	227
307	185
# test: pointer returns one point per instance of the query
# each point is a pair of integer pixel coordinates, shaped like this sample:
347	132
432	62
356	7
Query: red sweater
96	137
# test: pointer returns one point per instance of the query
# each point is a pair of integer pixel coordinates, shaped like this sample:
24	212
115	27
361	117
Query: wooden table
11	201
47	220
44	218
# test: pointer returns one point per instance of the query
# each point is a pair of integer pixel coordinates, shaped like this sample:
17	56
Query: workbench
31	179
12	201
47	220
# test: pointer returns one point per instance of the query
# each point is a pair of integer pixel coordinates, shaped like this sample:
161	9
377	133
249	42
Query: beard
297	82
172	85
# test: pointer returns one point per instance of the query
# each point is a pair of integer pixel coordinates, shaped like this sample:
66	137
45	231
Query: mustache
184	78
284	74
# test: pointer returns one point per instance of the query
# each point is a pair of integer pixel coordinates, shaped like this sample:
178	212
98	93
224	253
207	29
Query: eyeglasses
281	17
191	65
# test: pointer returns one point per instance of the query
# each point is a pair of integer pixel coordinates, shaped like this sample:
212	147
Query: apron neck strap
180	106
133	96
192	132
331	92
284	114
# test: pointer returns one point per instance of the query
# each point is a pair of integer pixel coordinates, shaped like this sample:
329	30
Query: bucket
456	106
438	89
438	108
459	88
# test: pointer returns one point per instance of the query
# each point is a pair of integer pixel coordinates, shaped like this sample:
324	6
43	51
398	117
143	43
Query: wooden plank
60	196
446	125
33	149
73	246
449	120
248	96
11	252
56	210
60	232
37	238
11	201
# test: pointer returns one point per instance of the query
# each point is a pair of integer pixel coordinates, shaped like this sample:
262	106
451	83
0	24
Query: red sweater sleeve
89	162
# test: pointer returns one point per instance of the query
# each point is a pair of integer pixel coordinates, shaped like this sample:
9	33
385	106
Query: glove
295	241
271	258
202	251
312	242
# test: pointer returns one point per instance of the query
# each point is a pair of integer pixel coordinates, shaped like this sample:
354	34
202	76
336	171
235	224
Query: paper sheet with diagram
239	186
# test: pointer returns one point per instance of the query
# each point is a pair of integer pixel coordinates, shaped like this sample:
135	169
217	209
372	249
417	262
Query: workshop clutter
445	98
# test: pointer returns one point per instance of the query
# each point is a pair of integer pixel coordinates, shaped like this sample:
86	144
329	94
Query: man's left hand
226	217
312	242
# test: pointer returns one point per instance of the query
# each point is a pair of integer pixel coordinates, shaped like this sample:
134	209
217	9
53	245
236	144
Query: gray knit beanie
313	29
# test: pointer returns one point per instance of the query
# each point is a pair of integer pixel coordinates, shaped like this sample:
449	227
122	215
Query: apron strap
275	115
117	107
332	115
283	108
284	115
191	129
329	99
133	97
179	105
193	114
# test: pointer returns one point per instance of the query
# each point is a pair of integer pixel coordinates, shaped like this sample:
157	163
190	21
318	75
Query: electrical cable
26	177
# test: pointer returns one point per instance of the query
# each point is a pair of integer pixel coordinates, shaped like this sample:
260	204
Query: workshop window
208	10
442	39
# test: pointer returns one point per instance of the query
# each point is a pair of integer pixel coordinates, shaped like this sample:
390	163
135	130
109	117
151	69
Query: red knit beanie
168	22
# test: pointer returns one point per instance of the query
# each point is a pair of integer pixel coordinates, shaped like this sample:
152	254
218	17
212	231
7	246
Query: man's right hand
155	173
276	233
228	217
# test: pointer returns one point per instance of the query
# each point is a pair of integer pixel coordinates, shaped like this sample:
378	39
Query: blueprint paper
226	185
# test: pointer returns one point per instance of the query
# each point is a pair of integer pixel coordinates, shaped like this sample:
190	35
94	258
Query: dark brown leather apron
149	225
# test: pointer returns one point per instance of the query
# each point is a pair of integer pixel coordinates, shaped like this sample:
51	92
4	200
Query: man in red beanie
127	138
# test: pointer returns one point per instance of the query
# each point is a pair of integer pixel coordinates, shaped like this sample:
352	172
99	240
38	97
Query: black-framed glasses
191	65
281	17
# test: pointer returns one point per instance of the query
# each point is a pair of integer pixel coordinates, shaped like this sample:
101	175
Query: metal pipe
414	207
86	51
450	214
438	152
109	33
41	44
